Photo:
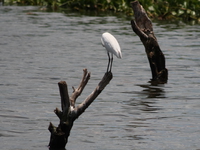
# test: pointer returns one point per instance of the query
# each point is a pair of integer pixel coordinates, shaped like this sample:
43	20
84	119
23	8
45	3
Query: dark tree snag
142	26
69	113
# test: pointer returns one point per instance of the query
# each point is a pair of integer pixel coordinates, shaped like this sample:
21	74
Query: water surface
39	49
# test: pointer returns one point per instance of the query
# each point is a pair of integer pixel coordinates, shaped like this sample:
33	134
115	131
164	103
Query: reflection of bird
112	46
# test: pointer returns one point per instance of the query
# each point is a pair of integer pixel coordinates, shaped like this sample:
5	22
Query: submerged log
70	112
142	26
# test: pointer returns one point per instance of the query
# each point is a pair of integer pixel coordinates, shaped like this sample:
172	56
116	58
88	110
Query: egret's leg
111	62
108	61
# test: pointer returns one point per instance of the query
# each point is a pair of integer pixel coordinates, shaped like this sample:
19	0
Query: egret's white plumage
112	47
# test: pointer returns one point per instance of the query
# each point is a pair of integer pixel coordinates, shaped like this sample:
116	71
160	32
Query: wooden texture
59	135
143	27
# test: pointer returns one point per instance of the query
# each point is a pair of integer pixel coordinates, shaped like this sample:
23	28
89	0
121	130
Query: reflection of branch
142	26
69	113
152	91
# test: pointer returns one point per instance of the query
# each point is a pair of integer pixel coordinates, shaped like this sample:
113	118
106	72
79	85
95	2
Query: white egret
112	46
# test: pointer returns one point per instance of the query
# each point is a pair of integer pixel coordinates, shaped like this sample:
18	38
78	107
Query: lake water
39	49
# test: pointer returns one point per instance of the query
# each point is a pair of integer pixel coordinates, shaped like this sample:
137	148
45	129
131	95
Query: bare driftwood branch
69	113
64	95
102	84
142	26
77	92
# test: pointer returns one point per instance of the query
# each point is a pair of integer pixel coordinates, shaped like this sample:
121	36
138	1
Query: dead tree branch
142	26
69	113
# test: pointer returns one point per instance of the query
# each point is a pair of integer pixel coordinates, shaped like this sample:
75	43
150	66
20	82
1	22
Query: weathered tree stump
142	26
59	135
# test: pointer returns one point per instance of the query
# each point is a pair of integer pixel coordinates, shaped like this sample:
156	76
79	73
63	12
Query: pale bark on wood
142	26
69	113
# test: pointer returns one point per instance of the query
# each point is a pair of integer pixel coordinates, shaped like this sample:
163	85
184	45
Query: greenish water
39	49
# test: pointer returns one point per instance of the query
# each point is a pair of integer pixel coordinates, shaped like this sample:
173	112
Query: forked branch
69	113
77	92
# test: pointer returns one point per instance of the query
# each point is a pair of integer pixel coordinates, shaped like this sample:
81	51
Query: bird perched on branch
112	46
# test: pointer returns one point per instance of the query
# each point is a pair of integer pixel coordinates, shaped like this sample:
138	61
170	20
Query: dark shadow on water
152	90
146	99
141	107
57	149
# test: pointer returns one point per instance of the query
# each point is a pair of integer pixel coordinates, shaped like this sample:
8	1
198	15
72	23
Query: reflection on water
57	149
145	100
39	49
153	91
